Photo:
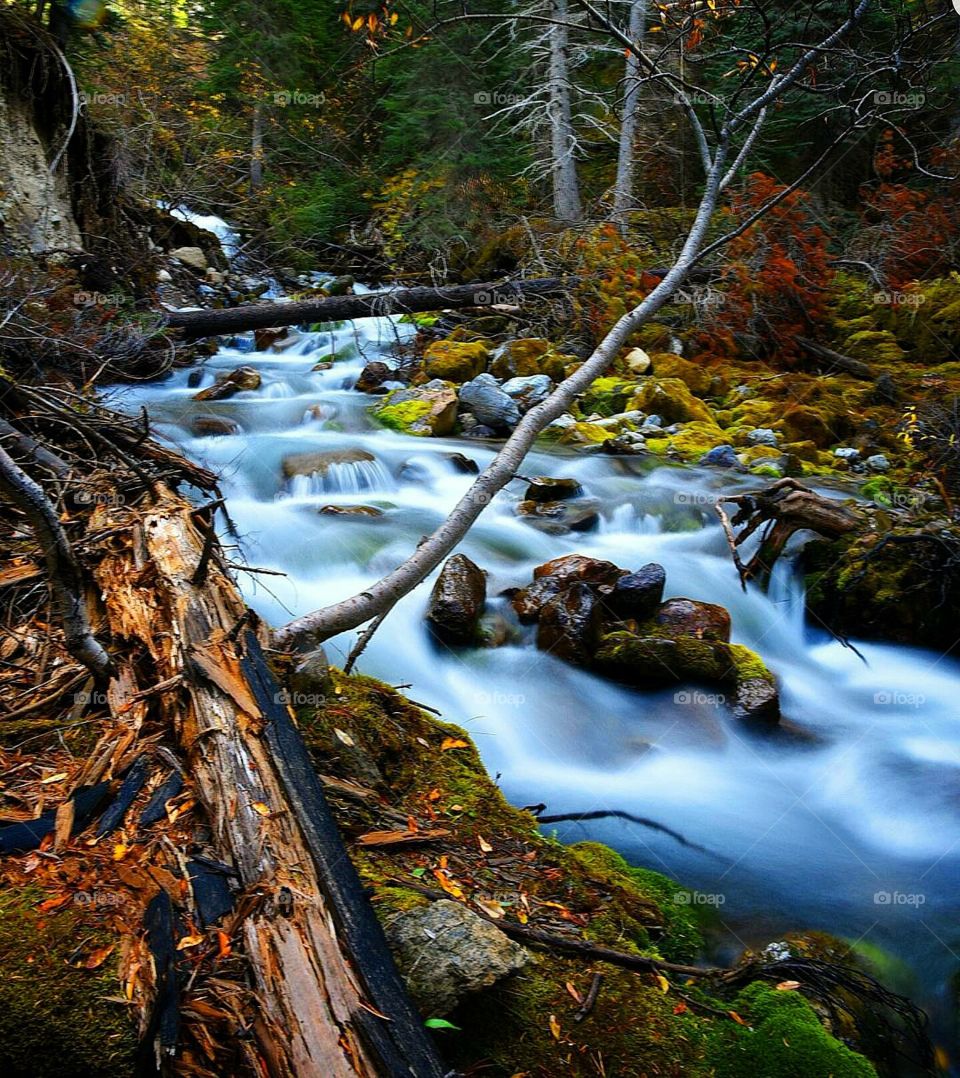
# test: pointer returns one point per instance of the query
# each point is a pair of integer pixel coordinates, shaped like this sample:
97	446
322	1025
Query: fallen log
837	360
207	323
331	1000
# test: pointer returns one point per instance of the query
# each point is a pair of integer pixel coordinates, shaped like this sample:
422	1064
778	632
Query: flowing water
847	822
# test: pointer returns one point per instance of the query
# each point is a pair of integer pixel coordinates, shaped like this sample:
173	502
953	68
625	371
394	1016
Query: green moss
456	361
784	1039
672	400
876	345
695	439
607	397
55	1019
748	664
403	416
701	380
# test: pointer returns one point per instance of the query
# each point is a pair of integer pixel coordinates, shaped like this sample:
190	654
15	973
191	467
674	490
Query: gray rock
757	700
721	456
485	400
544	488
637	595
190	256
528	391
847	453
457	601
208	426
763	436
878	463
445	952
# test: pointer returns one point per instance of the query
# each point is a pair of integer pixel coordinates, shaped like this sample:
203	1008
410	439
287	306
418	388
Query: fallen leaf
449	743
344	737
575	995
260	808
736	1017
58	777
189	941
53	903
440	1023
554	1027
788	986
224	940
664	983
681	1008
447	884
97	957
490	907
434	795
120	850
485	846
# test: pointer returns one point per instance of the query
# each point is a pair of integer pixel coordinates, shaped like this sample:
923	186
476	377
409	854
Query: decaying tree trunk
332	1002
785	507
335	308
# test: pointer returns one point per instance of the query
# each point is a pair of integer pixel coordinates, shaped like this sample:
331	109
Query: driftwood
785	507
837	360
330	999
336	308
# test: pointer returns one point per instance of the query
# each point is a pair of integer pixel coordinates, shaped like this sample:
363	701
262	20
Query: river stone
350	511
372	377
529	391
721	456
488	403
463	464
457	601
757	700
264	338
320	461
544	488
559	518
637	595
445	952
878	463
637	362
226	385
688	617
763	436
430	409
208	426
190	256
569	624
657	660
554	576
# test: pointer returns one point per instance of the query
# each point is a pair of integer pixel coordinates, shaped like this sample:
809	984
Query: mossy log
332	1001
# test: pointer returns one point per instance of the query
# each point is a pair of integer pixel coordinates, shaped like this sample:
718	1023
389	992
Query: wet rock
190	256
319	461
629	443
757	700
350	511
528	356
721	456
651	660
372	377
763	436
463	464
457	601
445	952
264	338
456	361
877	463
208	426
485	400
553	577
559	518
478	430
243	378
430	409
528	391
848	453
885	390
637	595
544	488
339	286
495	630
688	617
569	624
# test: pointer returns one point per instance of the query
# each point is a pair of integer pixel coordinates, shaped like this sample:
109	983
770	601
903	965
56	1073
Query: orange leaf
575	995
261	808
224	940
53	903
736	1017
189	941
453	743
554	1027
98	957
681	1008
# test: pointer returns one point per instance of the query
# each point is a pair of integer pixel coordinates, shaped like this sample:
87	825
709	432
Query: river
848	821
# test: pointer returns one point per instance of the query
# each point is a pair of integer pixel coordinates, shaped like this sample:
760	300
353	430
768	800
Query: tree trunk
335	308
332	1001
256	147
626	164
566	189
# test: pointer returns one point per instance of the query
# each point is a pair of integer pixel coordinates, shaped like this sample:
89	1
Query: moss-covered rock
526	356
701	380
426	410
456	361
672	400
607	396
57	1019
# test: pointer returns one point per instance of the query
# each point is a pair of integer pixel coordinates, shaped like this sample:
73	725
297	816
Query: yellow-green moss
56	1020
456	361
672	400
607	396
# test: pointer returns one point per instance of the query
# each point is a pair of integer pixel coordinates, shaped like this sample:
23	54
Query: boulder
528	391
551	578
486	401
444	952
190	256
544	488
527	356
319	461
672	400
430	409
688	617
721	456
559	518
463	464
372	377
637	595
264	338
349	511
208	426
455	361
636	362
763	436
569	624
226	385
457	601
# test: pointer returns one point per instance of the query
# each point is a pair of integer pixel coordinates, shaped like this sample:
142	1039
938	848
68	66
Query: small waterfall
342	477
